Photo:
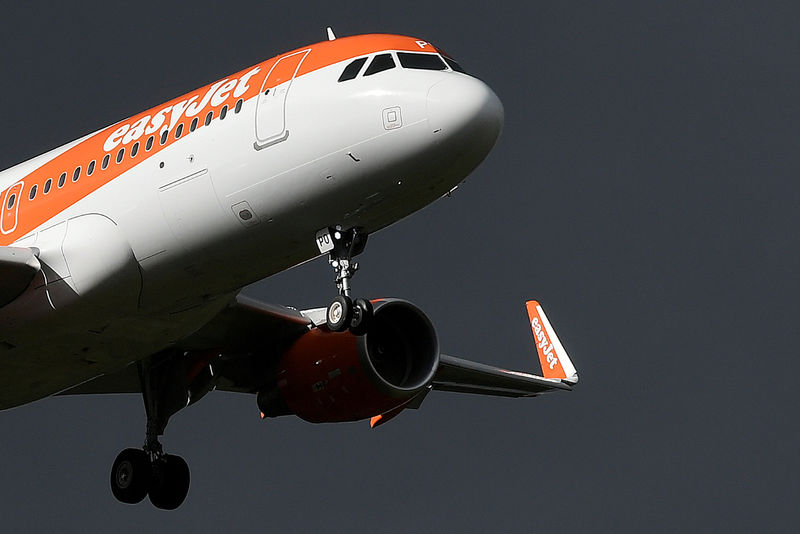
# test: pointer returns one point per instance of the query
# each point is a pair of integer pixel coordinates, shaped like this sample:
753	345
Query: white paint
178	224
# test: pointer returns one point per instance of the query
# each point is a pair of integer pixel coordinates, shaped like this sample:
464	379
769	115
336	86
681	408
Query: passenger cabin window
223	112
238	107
380	63
48	185
90	168
352	70
32	195
193	125
179	131
164	135
76	174
149	144
411	60
209	116
106	159
120	155
62	180
135	149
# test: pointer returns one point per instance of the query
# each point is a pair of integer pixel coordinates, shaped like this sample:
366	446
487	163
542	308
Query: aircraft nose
465	104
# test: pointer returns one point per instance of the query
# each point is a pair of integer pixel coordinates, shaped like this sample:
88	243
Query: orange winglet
547	344
375	421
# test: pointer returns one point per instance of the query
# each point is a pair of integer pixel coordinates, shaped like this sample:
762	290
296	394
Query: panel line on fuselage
168	117
180	181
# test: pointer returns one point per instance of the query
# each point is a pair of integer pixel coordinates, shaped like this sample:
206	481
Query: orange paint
9	212
378	420
548	357
33	213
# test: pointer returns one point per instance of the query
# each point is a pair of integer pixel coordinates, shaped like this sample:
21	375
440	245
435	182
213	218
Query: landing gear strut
137	473
342	246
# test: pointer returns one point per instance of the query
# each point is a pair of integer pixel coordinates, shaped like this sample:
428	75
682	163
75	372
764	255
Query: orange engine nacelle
327	377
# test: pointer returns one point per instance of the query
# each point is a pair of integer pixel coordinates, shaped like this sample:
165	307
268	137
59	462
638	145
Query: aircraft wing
466	376
249	336
18	266
247	325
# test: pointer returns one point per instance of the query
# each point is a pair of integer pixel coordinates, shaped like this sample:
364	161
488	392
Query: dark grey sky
645	189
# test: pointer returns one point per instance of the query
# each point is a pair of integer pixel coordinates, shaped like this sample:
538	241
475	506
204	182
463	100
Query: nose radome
464	102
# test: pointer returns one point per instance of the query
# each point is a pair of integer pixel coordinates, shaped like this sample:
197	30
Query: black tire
362	317
340	313
170	482
130	476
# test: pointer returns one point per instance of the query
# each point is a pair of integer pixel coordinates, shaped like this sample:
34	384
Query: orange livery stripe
24	215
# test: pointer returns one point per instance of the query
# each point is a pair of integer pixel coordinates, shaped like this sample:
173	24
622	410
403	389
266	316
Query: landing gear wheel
169	483
340	313
362	317
130	476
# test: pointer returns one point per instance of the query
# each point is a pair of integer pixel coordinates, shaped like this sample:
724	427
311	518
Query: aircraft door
271	125
10	208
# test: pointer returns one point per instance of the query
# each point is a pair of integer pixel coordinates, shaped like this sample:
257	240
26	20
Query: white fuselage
153	254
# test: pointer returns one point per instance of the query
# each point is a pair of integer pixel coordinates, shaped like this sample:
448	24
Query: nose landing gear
342	246
344	313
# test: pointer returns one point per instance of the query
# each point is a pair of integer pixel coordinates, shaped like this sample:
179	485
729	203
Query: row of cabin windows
76	174
408	60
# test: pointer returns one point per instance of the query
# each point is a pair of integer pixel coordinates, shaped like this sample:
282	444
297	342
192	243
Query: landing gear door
271	124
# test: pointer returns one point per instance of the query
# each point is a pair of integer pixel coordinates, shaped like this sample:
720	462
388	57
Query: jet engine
327	376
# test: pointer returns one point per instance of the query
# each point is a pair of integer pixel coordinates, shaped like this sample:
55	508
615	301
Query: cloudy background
644	189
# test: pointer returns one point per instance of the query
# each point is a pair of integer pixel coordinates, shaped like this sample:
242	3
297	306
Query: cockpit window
410	60
454	65
352	70
381	63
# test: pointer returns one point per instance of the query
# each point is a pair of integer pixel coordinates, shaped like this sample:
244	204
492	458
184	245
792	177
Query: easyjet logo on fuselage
217	94
90	164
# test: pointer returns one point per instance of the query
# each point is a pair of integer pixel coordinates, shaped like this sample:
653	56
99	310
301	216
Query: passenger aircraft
122	254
